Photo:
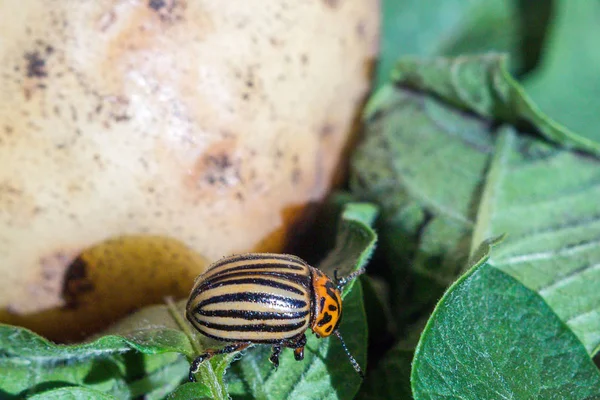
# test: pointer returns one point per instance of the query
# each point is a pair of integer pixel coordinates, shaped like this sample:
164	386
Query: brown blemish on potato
276	42
326	130
156	5
36	65
76	283
35	68
333	4
168	10
361	29
218	168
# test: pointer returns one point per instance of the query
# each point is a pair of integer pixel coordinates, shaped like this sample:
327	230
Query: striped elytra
267	299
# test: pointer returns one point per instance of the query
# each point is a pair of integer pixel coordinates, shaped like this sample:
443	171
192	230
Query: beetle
265	298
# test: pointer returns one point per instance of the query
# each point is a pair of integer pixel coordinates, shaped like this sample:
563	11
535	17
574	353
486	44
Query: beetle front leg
211	353
275	356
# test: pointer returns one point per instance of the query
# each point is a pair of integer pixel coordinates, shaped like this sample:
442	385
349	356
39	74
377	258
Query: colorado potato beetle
265	298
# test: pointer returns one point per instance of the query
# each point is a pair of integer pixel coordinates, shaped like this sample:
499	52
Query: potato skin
215	123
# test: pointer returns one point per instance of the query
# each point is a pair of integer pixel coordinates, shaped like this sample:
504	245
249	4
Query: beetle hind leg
195	366
298	346
299	353
275	356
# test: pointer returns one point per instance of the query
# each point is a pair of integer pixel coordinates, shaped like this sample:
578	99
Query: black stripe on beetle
246	297
260	266
247	257
295	278
252	315
255	281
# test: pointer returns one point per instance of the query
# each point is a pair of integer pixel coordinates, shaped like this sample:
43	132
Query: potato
215	123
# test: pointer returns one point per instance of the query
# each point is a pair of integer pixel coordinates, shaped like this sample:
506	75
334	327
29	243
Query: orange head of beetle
327	308
327	305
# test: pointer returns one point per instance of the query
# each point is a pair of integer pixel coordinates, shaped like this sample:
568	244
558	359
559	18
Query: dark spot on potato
275	42
219	168
361	30
304	59
169	11
76	282
332	3
326	130
156	4
36	65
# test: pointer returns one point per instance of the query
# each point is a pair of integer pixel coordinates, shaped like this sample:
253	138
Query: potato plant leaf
430	139
196	391
447	158
482	85
490	337
565	86
72	393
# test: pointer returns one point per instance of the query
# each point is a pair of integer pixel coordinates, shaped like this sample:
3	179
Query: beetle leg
299	353
298	346
275	356
211	353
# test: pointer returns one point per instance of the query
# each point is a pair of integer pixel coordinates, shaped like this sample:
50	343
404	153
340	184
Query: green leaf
424	161
492	338
72	393
325	372
30	362
482	85
565	86
355	242
163	374
117	363
540	196
197	391
446	28
448	176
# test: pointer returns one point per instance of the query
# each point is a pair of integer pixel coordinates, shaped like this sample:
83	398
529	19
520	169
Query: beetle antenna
336	278
352	359
343	281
